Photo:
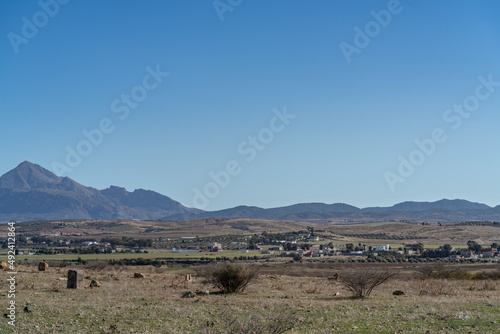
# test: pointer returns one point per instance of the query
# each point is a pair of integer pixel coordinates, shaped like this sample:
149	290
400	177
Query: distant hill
445	204
444	211
30	192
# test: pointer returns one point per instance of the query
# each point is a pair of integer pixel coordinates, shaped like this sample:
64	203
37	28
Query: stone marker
139	275
43	266
75	279
4	265
95	284
398	293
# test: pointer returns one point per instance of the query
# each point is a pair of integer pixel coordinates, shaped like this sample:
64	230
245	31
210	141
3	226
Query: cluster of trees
379	236
443	251
138	262
128	242
83	250
447	250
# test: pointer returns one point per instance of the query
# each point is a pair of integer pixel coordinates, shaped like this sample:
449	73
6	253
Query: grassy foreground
154	305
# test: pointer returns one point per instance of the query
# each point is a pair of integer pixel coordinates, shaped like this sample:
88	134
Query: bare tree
362	280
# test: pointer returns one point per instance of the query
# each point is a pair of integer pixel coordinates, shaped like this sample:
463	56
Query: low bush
362	280
277	320
441	270
483	275
96	264
228	277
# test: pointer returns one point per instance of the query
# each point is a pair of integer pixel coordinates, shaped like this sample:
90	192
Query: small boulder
43	266
334	277
337	294
398	293
4	265
27	309
139	275
188	294
95	284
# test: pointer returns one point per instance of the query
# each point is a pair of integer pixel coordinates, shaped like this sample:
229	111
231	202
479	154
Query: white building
384	248
215	247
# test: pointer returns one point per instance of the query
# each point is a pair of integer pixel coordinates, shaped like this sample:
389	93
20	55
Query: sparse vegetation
277	320
228	277
314	304
440	270
362	280
271	304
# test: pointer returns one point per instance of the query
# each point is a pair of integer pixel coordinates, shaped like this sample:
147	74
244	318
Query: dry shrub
96	265
178	281
58	285
484	285
228	277
277	320
441	270
314	289
54	264
362	280
487	275
159	270
437	287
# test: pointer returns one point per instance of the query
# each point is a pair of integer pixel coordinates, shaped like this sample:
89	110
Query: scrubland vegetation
269	303
423	284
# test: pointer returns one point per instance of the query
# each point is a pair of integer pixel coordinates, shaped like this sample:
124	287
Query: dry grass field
155	229
369	233
153	304
394	232
291	297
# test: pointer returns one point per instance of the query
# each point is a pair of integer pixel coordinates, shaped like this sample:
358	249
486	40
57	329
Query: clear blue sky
353	119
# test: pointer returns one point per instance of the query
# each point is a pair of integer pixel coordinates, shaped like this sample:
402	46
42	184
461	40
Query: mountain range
31	192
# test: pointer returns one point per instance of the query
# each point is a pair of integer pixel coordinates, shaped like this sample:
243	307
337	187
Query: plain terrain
311	304
295	293
380	232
